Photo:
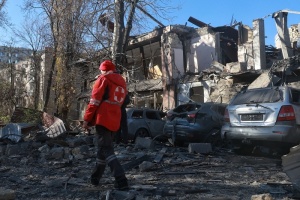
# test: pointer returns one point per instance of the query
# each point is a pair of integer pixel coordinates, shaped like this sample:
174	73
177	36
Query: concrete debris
291	166
146	166
264	80
235	67
135	163
159	156
144	143
61	170
40	160
262	197
7	194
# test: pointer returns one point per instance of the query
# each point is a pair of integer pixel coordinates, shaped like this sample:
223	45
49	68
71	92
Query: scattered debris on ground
60	169
37	166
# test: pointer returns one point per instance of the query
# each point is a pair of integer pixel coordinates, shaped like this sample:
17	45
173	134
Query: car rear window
258	96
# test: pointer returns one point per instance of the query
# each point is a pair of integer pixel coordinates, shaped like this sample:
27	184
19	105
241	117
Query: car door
135	120
154	122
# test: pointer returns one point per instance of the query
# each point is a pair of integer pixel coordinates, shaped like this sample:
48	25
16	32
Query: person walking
104	112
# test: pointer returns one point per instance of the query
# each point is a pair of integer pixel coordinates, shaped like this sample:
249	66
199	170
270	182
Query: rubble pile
60	168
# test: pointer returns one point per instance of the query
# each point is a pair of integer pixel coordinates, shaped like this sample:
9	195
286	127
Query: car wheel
142	132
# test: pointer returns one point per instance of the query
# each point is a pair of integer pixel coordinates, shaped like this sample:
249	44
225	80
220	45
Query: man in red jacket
104	112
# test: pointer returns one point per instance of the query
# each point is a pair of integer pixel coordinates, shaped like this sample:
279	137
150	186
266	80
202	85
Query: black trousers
106	155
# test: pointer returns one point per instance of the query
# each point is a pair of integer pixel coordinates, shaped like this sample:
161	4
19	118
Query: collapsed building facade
176	64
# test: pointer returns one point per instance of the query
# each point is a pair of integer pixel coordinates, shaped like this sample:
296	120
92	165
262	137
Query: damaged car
263	117
195	122
145	122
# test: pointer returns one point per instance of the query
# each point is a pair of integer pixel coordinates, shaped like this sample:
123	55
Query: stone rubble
60	169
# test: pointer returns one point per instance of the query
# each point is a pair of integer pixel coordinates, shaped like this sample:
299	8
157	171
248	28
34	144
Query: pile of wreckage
40	159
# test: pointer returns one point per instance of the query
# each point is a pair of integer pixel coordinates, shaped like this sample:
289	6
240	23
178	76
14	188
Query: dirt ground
162	172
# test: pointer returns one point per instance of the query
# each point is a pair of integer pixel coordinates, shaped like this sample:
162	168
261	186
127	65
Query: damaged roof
145	85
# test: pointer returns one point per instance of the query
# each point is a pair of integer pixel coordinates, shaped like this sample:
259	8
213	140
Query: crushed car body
194	122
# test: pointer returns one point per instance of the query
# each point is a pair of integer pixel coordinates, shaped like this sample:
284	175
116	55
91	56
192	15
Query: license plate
252	117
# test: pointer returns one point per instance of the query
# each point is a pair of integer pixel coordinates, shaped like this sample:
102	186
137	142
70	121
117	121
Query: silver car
267	117
144	122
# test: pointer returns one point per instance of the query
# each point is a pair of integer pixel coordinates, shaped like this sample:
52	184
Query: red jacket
104	108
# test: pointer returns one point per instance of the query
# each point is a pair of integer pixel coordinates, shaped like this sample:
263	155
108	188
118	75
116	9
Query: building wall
259	52
202	53
222	91
13	54
24	83
215	90
251	48
144	62
294	37
173	51
25	73
194	91
200	49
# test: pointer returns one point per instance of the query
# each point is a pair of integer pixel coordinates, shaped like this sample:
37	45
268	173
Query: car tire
141	132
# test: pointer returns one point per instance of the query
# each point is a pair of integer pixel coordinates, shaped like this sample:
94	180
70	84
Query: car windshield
258	96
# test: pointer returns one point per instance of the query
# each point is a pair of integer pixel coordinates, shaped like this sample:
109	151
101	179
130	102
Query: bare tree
5	100
3	18
33	33
134	16
8	78
121	33
67	32
5	93
83	27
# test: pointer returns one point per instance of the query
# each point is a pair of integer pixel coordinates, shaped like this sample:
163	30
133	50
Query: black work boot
97	174
121	183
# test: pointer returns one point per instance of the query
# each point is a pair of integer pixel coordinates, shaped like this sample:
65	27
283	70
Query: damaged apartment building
176	64
166	66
